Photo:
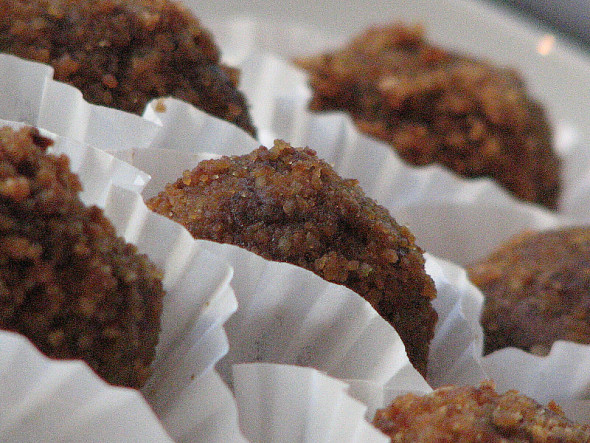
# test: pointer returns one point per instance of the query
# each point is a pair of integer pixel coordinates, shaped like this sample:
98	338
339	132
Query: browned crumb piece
67	282
285	204
537	290
123	53
435	106
469	414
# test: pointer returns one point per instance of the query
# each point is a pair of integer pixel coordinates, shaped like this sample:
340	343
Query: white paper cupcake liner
289	315
456	349
57	400
192	340
289	403
294	404
198	301
30	95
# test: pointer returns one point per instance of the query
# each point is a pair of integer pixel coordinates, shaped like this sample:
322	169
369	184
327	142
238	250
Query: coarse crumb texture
285	204
435	106
67	282
123	53
537	290
470	414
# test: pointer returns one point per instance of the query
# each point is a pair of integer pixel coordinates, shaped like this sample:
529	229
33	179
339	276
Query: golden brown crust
469	414
123	53
67	282
537	290
287	205
434	106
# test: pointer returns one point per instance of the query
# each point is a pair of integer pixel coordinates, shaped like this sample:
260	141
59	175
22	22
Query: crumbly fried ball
435	106
470	414
67	282
537	290
123	53
287	205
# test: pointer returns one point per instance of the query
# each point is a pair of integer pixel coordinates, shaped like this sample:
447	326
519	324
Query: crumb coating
470	414
67	282
123	53
436	106
537	290
287	205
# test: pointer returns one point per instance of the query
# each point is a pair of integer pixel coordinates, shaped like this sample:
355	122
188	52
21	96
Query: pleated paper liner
30	95
288	314
57	400
198	301
96	169
296	404
185	391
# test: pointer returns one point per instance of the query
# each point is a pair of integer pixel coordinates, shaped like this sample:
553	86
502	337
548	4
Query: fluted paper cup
57	400
294	404
30	95
288	314
199	301
96	169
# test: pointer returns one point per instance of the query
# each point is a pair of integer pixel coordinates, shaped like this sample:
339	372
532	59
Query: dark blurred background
569	17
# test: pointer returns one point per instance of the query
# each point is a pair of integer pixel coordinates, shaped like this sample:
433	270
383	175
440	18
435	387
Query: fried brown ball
123	53
436	106
537	290
287	205
470	414
67	282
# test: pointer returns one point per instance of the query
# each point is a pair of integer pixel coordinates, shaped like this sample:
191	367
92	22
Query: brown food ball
469	414
287	205
537	290
123	53
435	106
67	282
